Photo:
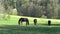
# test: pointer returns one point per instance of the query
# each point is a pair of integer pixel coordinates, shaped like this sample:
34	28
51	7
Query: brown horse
23	20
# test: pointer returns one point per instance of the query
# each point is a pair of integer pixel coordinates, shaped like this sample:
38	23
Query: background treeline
33	8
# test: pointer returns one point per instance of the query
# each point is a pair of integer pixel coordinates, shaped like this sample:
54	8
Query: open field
14	21
10	26
14	29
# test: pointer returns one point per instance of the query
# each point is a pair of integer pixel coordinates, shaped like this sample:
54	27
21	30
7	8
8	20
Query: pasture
10	26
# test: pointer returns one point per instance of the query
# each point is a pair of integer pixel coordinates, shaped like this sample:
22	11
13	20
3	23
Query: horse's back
24	19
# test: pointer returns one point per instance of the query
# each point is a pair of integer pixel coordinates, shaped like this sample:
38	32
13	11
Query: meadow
11	26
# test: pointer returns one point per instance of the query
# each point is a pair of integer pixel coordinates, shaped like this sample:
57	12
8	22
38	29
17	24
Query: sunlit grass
14	20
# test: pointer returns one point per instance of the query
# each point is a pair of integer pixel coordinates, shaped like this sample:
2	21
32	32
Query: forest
31	8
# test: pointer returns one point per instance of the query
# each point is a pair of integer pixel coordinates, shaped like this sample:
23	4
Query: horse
23	20
49	22
35	21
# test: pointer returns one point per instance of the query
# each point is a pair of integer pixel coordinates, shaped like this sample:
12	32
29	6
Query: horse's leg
19	22
26	23
34	23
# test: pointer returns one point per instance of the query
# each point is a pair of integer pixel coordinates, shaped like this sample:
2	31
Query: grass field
10	26
14	21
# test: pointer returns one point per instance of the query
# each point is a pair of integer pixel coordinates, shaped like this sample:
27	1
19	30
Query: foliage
48	8
34	8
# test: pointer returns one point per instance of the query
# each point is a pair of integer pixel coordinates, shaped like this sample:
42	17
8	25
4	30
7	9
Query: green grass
14	29
14	21
10	26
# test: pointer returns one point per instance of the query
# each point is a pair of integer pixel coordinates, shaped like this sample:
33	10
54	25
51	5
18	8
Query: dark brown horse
23	20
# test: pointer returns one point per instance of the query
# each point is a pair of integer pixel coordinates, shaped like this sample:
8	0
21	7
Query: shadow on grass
15	29
51	24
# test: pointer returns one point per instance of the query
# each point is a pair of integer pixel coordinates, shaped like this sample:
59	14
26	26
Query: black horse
35	21
49	22
23	20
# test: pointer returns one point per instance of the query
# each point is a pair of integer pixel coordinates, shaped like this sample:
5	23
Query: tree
38	8
2	9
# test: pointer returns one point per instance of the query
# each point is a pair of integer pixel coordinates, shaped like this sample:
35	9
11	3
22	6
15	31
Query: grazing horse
35	21
23	20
